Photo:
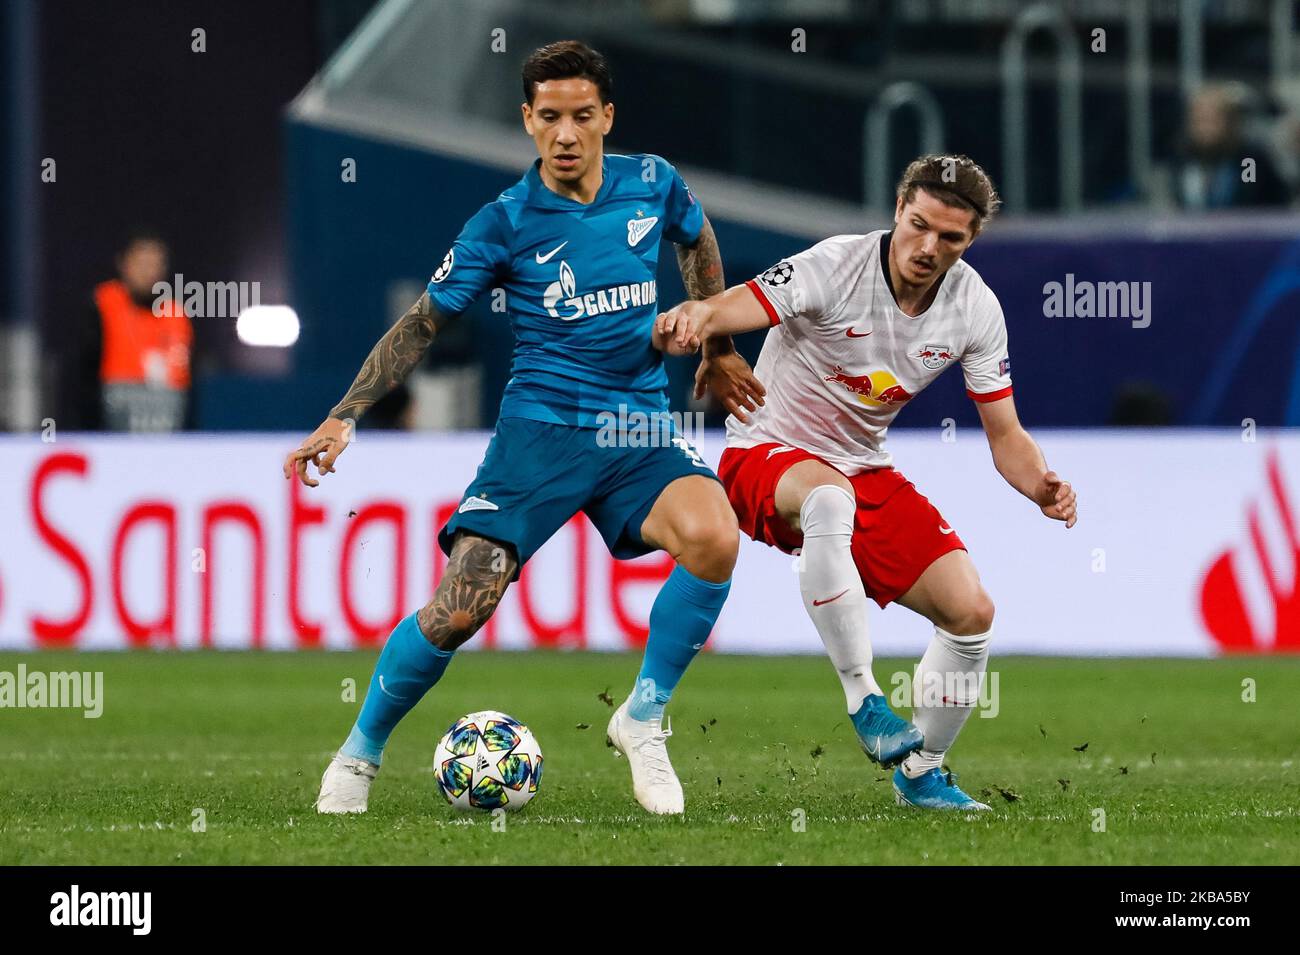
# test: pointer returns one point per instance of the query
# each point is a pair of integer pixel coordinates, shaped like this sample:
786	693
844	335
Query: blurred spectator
137	343
1215	140
1140	404
1288	140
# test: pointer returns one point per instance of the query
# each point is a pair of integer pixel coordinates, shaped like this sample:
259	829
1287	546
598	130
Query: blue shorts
536	475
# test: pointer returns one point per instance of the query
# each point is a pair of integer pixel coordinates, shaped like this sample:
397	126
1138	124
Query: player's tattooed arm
722	371
392	359
389	361
478	572
701	264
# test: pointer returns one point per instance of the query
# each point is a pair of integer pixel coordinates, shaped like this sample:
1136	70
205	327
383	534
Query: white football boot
345	787
654	783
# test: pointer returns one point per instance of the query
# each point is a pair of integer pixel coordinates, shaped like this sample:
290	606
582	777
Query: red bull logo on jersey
935	357
564	295
876	389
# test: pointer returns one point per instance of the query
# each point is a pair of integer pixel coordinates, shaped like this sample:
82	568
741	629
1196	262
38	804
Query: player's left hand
729	378
1057	499
680	330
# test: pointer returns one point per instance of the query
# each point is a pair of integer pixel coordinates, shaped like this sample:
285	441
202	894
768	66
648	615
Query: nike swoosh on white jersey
638	229
543	259
476	504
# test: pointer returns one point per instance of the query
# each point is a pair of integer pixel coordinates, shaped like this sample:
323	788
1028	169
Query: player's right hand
1057	500
321	449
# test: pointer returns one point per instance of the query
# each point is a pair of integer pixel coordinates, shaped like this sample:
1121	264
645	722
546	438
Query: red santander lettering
574	628
60	633
239	513
142	633
623	573
369	633
301	516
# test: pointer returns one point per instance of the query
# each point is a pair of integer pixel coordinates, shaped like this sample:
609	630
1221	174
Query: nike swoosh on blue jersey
543	259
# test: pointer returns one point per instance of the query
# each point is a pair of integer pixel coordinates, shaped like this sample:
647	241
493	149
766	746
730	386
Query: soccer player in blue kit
575	245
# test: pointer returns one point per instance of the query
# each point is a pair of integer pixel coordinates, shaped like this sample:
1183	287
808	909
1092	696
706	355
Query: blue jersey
579	285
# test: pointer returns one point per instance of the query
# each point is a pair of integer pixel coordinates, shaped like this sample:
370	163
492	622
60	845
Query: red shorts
897	532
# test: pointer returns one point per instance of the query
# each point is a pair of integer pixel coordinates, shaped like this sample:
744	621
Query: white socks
832	590
948	679
945	689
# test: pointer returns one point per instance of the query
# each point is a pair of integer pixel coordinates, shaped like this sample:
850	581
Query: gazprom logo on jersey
564	294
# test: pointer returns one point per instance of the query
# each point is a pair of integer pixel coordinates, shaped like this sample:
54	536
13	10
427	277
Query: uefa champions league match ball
488	760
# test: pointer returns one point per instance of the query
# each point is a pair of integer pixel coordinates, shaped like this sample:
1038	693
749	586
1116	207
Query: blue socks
406	670
681	619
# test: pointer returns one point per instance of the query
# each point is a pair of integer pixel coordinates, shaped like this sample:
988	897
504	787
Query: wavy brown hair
954	180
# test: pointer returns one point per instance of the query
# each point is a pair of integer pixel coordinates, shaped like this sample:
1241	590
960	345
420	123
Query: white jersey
842	359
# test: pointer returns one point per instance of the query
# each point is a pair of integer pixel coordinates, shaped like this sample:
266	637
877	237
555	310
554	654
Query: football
488	760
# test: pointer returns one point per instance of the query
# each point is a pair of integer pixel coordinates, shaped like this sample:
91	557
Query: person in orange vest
146	339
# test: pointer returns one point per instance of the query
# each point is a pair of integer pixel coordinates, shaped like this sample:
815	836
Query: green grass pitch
1184	770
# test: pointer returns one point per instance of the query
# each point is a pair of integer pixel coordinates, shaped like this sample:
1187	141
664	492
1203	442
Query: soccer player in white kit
859	325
